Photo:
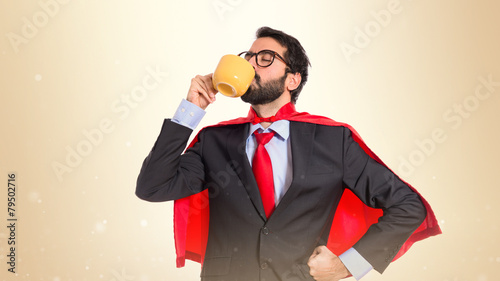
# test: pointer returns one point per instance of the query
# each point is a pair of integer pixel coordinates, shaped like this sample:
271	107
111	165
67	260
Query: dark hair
295	55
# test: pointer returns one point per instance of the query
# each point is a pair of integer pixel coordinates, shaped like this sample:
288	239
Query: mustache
257	78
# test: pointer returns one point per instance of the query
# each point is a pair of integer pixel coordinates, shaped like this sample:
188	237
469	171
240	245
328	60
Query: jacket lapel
236	143
302	142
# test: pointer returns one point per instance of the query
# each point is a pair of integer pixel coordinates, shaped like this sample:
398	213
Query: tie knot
263	138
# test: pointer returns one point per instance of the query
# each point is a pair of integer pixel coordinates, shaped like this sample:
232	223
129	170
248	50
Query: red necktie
263	171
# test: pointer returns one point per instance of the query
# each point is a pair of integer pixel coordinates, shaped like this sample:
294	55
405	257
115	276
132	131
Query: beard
264	93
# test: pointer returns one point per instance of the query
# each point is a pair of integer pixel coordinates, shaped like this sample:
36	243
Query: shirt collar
281	127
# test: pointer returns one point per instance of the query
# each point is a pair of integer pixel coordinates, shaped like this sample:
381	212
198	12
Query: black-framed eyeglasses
264	58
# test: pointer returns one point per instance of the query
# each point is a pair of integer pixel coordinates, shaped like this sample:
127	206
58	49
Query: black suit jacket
242	243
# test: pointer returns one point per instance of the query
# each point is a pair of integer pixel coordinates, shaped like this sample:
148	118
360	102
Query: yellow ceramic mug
233	76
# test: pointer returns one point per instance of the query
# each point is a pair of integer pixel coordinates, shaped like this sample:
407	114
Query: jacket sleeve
167	173
379	187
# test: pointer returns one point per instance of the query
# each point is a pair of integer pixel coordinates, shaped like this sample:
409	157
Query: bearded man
279	195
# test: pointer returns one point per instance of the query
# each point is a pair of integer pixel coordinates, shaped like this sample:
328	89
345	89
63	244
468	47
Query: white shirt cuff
355	263
188	114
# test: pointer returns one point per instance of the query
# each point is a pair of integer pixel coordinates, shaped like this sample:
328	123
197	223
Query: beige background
408	87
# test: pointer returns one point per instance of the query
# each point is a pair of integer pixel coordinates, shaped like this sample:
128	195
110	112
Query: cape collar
283	113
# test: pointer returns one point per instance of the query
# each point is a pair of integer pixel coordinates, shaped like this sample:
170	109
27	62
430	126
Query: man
315	163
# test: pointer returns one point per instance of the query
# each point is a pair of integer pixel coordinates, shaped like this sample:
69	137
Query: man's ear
293	81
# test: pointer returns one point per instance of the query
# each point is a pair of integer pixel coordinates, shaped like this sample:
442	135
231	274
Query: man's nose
253	62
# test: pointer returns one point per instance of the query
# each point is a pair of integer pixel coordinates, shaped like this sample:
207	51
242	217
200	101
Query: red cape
352	217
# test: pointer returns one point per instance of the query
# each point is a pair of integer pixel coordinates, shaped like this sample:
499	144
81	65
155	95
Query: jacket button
264	265
265	230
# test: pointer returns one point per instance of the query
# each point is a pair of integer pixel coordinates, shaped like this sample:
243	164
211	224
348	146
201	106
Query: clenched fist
326	266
